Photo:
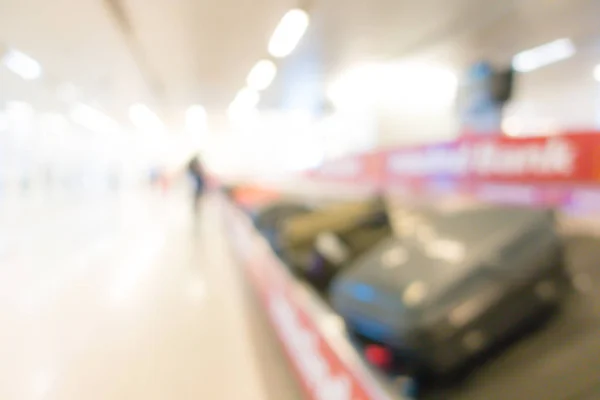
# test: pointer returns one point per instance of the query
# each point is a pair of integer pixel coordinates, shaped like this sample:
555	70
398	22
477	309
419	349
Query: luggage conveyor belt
558	361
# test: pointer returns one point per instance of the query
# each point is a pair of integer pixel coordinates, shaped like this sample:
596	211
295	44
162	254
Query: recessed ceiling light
246	99
261	75
288	33
22	65
541	56
597	73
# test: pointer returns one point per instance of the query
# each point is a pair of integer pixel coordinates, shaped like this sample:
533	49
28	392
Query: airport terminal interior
124	265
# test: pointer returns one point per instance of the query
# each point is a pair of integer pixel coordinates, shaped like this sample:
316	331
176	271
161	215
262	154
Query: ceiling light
530	60
195	119
597	73
288	33
243	107
261	76
144	119
22	65
246	99
93	119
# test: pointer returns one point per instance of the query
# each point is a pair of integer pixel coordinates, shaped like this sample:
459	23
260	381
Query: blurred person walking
196	171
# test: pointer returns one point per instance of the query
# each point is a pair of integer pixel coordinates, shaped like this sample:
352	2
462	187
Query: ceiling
170	54
166	54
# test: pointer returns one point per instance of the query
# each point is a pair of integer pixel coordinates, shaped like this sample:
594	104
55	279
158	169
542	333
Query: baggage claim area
329	200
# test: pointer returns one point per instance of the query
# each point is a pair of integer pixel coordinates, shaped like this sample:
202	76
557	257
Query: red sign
359	169
535	170
252	196
569	159
461	166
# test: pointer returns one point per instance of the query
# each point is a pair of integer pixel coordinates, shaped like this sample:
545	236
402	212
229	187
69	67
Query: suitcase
454	284
560	361
319	244
269	219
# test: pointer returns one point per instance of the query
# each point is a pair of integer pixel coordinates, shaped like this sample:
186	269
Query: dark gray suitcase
454	284
561	361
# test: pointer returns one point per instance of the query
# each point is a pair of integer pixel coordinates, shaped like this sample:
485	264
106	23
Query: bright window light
144	119
22	65
597	73
93	119
19	110
3	121
410	86
288	33
54	123
195	119
530	60
354	88
243	119
20	115
261	75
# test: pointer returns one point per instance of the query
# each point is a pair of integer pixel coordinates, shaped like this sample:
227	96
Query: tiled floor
125	297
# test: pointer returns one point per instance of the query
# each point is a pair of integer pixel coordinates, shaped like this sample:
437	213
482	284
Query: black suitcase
319	244
454	284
